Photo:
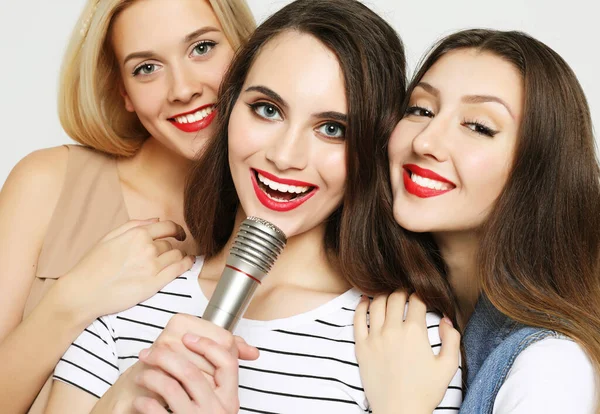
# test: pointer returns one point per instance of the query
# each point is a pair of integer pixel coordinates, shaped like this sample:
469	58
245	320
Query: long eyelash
337	124
137	69
204	42
412	108
486	130
258	104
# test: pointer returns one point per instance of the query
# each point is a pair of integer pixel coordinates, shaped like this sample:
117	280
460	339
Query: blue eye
203	47
267	111
332	130
145	69
419	111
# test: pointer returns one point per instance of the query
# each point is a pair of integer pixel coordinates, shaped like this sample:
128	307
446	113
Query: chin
411	223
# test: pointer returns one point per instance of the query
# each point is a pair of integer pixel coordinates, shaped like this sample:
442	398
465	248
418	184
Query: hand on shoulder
399	369
128	266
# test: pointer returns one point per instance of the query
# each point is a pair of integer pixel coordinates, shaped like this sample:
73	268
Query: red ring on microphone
238	270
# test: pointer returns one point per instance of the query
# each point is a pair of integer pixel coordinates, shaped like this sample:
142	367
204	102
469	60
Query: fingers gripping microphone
257	245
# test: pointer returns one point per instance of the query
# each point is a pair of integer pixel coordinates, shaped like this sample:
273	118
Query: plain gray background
33	34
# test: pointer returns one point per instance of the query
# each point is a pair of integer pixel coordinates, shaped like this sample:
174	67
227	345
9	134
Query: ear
128	104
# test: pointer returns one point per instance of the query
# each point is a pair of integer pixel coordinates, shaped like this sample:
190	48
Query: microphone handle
230	299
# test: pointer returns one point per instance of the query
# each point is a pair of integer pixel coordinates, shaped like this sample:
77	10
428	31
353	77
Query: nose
290	151
184	85
431	141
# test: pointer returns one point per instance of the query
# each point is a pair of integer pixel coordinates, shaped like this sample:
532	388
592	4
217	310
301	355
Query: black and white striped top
307	362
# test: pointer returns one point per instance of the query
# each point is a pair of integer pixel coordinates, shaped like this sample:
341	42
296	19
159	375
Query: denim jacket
492	342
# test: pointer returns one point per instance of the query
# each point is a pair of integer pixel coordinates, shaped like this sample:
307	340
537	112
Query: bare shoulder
45	167
34	184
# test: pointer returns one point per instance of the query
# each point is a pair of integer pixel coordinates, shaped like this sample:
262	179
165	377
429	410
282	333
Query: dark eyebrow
429	88
474	99
336	116
147	54
269	92
470	99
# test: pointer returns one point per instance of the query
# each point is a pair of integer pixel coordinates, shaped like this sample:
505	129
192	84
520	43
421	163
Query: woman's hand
183	386
169	355
126	267
399	370
179	325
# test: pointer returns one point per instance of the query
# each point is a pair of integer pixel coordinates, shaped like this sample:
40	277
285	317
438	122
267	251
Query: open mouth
425	183
428	182
279	194
199	115
195	120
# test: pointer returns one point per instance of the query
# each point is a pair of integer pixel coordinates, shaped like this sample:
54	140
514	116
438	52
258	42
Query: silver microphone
257	245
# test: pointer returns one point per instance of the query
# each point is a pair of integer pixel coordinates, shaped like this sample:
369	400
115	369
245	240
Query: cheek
147	99
215	74
487	173
400	141
245	135
333	167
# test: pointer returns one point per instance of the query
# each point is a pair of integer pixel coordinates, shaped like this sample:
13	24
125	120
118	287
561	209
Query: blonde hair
90	105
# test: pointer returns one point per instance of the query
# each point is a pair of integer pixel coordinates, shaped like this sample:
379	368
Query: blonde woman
138	85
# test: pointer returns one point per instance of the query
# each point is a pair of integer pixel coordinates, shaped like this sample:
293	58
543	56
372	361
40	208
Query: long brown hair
361	238
540	247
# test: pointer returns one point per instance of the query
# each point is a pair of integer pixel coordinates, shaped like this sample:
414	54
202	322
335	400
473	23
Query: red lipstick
283	180
418	190
194	126
276	205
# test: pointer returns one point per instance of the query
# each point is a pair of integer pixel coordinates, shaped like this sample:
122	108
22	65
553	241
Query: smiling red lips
195	120
425	183
280	194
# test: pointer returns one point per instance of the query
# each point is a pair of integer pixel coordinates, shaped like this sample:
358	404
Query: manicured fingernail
191	338
145	353
448	321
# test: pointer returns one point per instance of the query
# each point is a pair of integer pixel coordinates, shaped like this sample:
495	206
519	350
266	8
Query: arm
27	202
550	376
401	369
126	267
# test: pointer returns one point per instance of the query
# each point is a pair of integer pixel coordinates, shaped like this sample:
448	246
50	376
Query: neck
459	251
156	171
303	263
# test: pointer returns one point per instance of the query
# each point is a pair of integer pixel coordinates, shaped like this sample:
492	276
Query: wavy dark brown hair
540	247
362	240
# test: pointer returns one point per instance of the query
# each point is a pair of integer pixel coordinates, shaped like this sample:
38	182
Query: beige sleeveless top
91	205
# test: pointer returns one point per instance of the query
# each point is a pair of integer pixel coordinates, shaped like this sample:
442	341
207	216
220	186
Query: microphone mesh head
258	243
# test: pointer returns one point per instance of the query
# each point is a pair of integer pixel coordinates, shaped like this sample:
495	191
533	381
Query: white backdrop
33	34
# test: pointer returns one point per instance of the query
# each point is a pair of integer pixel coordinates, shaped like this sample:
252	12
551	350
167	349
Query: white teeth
195	117
429	183
284	188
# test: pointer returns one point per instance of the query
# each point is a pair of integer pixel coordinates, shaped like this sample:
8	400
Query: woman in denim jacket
494	160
